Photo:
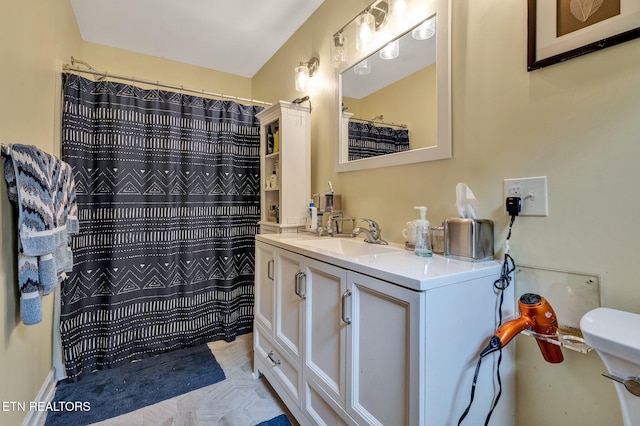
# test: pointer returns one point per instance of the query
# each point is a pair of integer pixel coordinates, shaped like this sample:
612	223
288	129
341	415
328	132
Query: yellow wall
35	37
575	122
417	112
126	63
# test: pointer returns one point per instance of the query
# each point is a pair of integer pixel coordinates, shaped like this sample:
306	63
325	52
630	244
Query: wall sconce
398	11
365	29
304	71
368	22
338	49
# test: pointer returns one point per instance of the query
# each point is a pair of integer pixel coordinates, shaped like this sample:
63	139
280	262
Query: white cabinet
325	340
347	333
298	325
278	321
285	150
341	347
383	353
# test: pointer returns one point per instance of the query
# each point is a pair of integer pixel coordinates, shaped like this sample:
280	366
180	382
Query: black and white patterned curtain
368	140
168	197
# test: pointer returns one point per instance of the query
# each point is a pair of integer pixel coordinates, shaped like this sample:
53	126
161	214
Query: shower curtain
168	197
368	140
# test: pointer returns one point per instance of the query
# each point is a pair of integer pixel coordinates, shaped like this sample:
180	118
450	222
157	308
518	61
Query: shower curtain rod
105	74
370	121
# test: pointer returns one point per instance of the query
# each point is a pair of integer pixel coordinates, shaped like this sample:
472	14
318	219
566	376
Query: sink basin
347	247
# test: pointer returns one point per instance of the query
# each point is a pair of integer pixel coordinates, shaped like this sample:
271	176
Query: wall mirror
393	85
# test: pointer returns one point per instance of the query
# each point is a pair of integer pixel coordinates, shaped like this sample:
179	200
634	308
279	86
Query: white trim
46	394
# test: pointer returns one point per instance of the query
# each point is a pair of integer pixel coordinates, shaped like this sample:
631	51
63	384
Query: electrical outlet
533	192
514	191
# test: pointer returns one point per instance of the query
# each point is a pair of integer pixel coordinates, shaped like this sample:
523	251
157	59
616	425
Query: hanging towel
28	270
66	207
42	190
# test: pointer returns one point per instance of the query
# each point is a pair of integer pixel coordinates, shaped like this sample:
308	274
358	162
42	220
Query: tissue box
468	239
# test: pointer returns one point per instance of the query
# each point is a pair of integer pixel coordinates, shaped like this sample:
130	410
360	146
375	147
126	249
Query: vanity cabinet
329	338
285	167
377	337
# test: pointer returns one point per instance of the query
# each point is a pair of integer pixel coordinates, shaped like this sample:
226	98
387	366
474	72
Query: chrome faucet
372	234
333	224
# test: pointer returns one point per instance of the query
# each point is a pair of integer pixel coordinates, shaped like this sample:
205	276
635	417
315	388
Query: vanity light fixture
426	30
365	29
391	50
304	71
338	49
368	22
398	12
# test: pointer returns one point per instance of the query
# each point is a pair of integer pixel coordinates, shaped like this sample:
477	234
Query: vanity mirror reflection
393	97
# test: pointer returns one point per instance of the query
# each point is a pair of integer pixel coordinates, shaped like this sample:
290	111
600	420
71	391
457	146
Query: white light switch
532	191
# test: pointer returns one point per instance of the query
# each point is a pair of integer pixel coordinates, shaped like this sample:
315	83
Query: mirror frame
443	149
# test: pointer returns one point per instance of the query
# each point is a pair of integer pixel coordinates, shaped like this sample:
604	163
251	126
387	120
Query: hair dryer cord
473	391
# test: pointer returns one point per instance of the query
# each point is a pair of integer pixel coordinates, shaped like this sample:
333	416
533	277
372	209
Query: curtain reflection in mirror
368	140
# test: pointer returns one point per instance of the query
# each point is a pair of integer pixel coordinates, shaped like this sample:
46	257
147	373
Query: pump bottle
423	240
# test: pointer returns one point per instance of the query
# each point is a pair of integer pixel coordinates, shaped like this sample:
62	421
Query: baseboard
46	394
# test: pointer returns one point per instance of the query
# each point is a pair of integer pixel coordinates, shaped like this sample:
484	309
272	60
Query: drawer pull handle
345	318
270	269
271	356
299	276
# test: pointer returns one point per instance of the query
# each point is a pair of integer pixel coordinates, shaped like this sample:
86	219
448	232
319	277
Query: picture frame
545	47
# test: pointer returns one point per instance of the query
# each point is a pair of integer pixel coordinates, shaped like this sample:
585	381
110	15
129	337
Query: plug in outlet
532	191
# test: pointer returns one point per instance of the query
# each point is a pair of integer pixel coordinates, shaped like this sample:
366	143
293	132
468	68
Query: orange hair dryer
537	315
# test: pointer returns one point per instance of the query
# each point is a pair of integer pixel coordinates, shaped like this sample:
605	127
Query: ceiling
237	37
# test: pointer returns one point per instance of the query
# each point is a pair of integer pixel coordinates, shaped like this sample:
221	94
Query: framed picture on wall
559	30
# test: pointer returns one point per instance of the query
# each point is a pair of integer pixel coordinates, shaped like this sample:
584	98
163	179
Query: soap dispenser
423	240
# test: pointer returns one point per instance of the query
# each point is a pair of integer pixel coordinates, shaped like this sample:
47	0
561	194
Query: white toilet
615	336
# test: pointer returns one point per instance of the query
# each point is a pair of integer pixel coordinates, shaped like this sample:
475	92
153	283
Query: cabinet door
264	308
290	295
325	339
385	375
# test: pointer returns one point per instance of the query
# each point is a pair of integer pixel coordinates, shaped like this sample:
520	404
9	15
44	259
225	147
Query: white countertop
398	266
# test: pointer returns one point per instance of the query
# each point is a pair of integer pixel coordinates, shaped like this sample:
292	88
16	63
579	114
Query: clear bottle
423	239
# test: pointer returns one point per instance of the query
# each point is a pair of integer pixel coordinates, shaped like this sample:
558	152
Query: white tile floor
239	400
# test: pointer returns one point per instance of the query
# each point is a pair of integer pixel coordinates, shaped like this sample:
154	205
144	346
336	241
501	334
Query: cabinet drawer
276	366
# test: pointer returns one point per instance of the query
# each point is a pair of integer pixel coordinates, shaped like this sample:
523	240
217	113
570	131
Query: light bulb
398	12
425	30
301	76
391	50
365	29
